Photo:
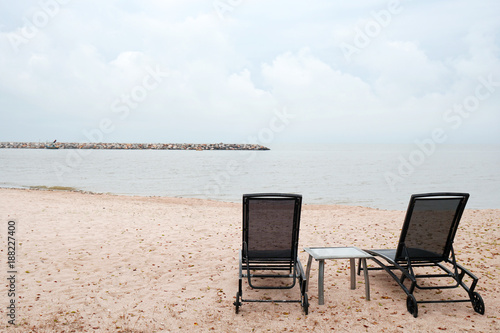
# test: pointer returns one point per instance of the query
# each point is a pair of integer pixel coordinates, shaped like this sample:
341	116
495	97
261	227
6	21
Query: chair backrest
430	226
271	224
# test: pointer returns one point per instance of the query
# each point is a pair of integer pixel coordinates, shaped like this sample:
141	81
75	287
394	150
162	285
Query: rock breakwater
131	146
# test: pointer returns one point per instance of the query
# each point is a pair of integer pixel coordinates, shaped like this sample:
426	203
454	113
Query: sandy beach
108	263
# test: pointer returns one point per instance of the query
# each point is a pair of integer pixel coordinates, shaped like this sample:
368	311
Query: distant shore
130	146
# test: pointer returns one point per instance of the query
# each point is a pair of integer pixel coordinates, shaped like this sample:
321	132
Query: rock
132	146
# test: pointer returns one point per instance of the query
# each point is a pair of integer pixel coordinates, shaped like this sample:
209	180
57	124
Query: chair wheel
305	304
412	306
237	303
477	302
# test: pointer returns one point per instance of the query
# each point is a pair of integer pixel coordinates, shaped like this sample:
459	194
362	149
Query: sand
94	262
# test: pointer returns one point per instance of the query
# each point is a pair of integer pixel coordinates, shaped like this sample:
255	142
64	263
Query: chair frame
250	268
401	261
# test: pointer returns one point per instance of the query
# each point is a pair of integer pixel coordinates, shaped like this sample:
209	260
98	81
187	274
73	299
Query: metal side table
322	253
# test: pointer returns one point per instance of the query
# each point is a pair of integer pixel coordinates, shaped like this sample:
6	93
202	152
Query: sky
250	71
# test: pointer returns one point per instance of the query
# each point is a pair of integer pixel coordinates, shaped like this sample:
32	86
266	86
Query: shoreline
97	262
62	189
131	146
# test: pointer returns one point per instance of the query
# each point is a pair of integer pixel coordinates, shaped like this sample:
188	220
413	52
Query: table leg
367	282
321	289
353	273
308	271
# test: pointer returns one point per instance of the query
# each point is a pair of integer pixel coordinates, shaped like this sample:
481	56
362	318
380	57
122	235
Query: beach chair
268	258
426	240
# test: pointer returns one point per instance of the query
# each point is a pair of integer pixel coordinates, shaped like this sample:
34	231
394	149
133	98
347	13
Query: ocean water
378	176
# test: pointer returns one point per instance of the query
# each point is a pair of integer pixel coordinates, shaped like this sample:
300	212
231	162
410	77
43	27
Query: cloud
225	77
313	88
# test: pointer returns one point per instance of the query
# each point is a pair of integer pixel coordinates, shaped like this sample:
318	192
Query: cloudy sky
250	70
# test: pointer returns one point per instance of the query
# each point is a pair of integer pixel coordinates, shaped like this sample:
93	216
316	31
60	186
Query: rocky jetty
131	146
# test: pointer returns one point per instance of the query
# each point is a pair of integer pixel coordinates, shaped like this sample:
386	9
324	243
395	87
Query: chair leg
239	297
239	293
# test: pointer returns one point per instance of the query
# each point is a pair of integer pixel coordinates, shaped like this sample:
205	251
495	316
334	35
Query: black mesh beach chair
427	241
268	258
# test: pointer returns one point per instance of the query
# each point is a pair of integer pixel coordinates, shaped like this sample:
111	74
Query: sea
380	176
